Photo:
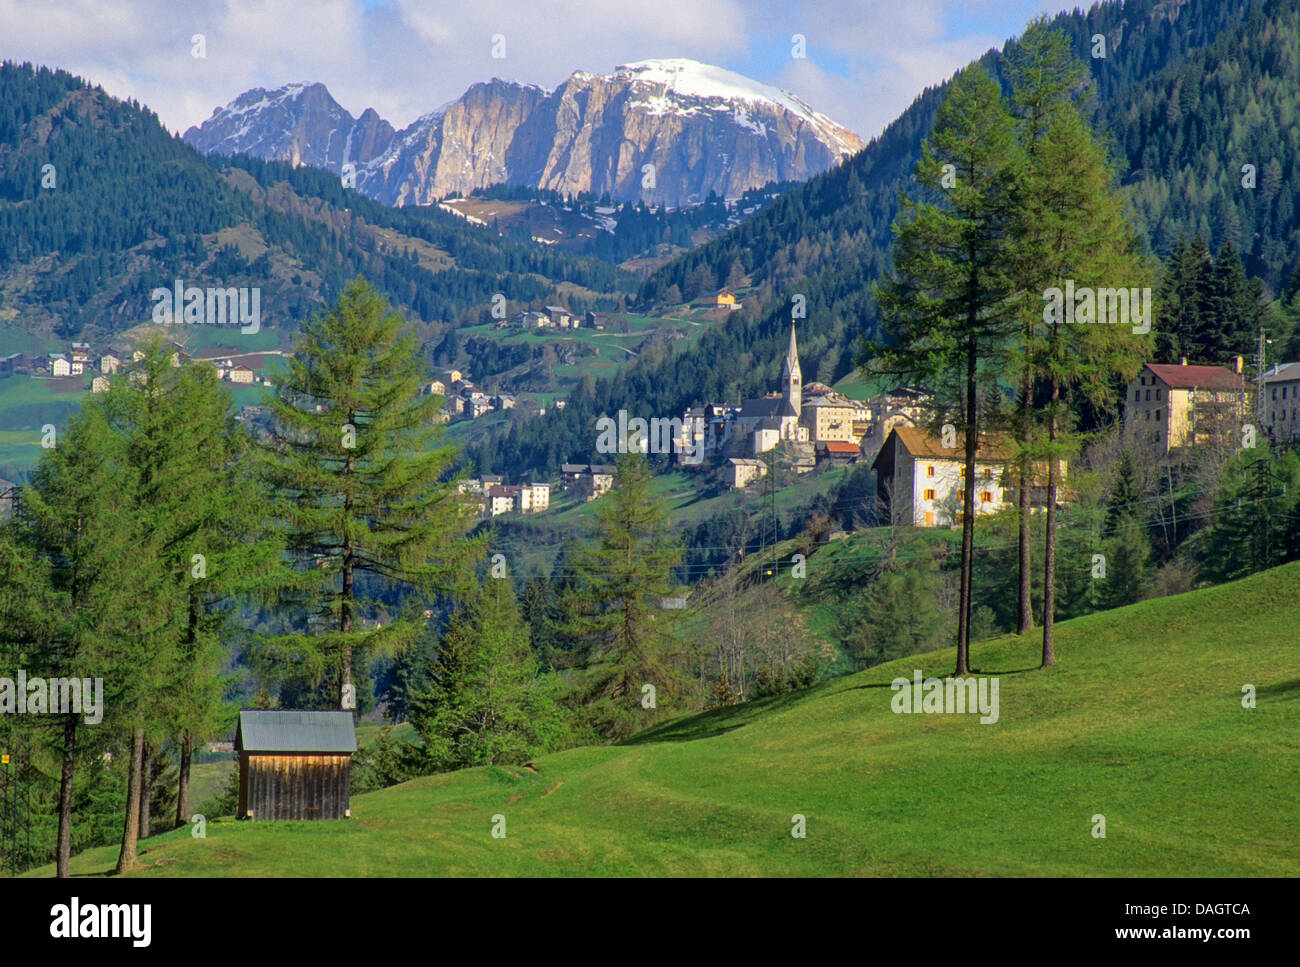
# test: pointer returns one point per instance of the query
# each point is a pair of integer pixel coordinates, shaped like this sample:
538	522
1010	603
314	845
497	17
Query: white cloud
866	62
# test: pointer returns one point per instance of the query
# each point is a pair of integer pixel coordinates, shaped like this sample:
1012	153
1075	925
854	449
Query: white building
534	497
922	482
773	418
532	320
59	365
501	500
745	469
560	316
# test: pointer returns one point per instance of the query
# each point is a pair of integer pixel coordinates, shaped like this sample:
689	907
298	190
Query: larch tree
1073	218
361	486
948	306
1045	76
89	604
191	458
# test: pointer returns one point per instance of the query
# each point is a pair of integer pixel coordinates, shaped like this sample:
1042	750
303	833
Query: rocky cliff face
299	123
667	131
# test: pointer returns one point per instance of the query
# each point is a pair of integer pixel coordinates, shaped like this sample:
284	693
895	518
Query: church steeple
793	378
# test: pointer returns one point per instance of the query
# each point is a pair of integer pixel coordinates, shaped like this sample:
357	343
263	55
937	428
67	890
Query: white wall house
921	483
744	470
534	497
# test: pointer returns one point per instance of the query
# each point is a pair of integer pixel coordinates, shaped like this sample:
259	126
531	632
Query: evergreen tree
1254	526
1073	218
949	305
1045	76
481	702
1233	310
898	613
616	608
1127	548
191	460
359	481
81	593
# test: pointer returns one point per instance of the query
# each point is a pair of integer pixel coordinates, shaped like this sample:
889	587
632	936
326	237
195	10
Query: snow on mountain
701	128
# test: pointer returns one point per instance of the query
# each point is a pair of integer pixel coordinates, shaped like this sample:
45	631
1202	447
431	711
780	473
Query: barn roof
263	730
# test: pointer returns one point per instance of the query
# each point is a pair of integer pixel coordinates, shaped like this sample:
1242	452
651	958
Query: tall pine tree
949	305
360	482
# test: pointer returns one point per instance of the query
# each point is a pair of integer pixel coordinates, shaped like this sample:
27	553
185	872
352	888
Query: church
774	418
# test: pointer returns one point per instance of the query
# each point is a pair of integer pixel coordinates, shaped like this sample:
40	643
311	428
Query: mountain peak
517	133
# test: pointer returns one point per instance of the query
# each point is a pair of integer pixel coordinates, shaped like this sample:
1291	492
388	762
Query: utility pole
1259	380
769	459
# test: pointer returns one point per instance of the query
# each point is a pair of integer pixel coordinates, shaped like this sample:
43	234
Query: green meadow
1141	721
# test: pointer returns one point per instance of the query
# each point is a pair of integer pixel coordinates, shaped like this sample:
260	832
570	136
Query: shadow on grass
717	721
947	675
1289	689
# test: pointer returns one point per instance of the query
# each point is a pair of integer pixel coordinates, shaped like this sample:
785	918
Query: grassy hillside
1141	721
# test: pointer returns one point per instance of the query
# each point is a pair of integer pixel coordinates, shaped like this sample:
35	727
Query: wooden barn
294	764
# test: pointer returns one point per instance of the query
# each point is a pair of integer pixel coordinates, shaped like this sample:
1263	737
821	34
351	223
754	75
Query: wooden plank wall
297	786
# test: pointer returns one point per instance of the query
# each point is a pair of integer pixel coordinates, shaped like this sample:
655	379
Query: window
929	495
1158	391
1158	412
986	496
929	470
1148	396
1147	414
1274	392
1137	396
1283	392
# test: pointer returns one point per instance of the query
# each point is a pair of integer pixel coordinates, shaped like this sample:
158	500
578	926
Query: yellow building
1171	406
722	299
835	419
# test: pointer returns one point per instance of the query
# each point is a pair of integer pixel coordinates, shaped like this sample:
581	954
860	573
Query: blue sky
864	62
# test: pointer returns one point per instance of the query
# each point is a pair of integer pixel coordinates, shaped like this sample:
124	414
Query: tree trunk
146	789
1025	608
64	855
126	860
1049	561
967	519
345	609
183	784
1024	604
345	626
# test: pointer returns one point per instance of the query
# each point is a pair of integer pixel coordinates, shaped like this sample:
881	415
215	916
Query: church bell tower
793	378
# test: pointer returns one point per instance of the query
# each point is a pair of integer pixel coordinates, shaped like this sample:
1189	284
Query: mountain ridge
700	128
